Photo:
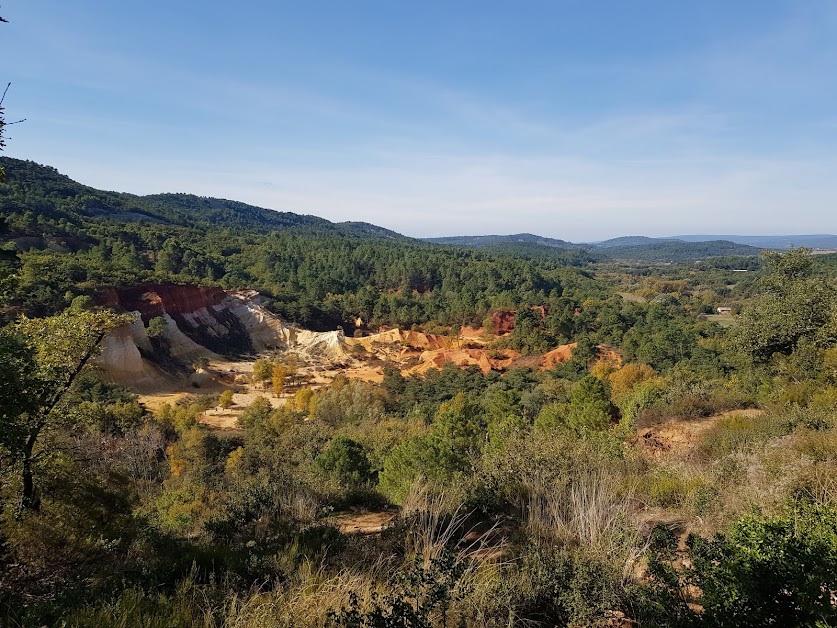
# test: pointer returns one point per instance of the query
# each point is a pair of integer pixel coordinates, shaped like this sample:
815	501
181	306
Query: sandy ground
224	420
678	439
364	522
153	401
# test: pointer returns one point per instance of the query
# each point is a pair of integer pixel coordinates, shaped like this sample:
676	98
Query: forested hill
43	190
70	240
633	248
677	251
623	241
492	240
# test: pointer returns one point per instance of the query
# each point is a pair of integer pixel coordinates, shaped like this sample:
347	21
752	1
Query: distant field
724	320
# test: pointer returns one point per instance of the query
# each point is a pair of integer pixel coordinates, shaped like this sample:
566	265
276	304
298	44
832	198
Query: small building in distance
724	310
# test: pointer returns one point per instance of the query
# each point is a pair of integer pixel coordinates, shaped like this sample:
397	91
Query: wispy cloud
700	140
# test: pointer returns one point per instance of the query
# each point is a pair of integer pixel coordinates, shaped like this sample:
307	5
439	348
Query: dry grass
436	521
592	511
306	600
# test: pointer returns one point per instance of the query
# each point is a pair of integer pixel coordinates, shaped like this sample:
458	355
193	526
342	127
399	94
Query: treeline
75	240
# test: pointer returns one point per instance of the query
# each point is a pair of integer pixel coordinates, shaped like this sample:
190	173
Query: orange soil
558	356
565	352
472	334
465	358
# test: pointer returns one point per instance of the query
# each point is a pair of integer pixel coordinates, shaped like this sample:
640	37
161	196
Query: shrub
668	489
345	461
741	432
551	585
767	571
347	402
256	413
420	457
225	400
590	407
157	327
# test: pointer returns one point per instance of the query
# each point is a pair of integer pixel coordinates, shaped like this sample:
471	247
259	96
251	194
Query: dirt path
365	522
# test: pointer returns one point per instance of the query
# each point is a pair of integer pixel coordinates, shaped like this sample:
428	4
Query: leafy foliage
767	571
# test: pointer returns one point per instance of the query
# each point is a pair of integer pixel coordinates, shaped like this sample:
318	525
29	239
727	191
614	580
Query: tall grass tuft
590	511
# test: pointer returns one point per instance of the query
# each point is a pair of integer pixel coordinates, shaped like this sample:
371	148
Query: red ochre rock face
153	299
502	321
194	309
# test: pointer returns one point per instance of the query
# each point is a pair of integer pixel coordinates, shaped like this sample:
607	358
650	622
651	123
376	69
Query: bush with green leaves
590	407
345	461
766	571
156	327
457	436
419	596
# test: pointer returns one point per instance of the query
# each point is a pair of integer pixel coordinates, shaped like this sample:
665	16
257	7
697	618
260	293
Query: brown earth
152	299
680	439
365	522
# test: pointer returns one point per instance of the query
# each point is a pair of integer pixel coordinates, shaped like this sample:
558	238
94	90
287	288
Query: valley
243	417
210	339
371	315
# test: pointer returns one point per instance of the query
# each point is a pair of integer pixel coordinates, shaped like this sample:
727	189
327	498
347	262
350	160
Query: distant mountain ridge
59	198
816	241
677	250
639	248
616	247
489	240
630	241
812	241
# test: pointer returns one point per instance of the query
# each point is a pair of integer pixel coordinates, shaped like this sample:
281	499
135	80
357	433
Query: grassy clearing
724	320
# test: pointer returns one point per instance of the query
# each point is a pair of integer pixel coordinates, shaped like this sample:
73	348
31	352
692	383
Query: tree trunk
29	499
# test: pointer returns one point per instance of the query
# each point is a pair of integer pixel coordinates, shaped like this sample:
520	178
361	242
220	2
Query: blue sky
577	120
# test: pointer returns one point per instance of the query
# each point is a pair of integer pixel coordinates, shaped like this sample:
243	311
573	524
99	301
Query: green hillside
74	240
675	251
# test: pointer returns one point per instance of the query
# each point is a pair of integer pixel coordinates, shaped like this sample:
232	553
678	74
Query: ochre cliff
197	323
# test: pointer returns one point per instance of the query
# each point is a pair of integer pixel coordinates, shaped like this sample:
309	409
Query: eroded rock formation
198	323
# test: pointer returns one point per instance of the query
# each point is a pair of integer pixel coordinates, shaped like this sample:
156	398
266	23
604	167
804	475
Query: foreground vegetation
523	498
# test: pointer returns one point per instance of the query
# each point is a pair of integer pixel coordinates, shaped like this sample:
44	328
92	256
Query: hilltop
489	240
51	194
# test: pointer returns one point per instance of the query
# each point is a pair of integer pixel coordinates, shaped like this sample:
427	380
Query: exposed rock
466	357
561	354
408	339
502	321
558	355
200	323
121	362
331	344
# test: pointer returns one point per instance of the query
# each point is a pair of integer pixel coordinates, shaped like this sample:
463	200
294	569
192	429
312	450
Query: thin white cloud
427	157
565	198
